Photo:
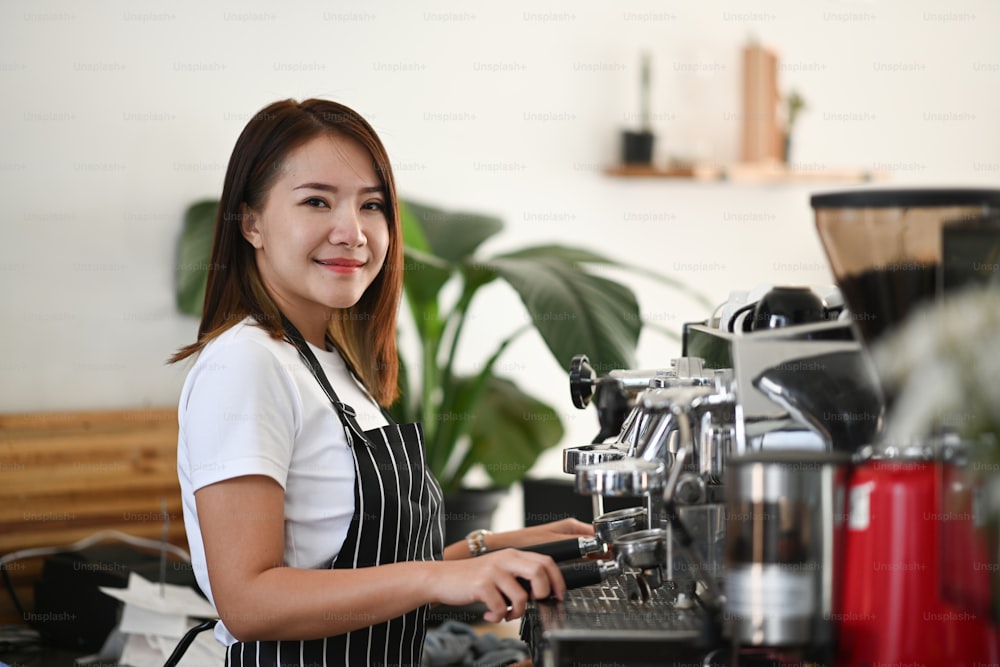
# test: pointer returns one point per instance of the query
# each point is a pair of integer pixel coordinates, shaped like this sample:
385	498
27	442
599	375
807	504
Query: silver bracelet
477	541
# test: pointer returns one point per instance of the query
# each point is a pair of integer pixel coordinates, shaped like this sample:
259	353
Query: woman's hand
497	580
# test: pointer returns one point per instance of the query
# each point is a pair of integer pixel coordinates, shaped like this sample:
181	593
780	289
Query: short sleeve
240	415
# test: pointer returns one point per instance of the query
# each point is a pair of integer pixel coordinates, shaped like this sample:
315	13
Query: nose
346	227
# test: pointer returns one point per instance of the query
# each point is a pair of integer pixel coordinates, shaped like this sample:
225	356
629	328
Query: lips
341	262
341	265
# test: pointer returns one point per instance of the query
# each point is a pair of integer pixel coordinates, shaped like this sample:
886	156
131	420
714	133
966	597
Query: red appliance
893	610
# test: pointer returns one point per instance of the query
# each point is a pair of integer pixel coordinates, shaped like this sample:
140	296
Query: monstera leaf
487	420
193	256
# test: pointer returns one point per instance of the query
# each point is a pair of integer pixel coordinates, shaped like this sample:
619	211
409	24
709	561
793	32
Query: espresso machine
772	524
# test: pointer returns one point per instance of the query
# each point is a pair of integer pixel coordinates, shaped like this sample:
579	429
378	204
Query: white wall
118	116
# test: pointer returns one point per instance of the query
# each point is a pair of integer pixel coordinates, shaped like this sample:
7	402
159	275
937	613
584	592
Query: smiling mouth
341	263
341	266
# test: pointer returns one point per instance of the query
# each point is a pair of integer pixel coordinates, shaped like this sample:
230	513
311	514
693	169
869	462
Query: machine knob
582	379
690	490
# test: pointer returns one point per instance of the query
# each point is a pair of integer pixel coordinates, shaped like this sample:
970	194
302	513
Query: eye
374	205
315	202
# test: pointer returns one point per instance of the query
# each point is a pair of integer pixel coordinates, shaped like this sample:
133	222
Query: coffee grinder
885	249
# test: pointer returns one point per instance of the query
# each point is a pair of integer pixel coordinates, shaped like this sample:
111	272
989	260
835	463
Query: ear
248	226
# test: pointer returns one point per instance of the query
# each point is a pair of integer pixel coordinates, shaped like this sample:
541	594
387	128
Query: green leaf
562	253
508	430
193	256
576	255
423	277
452	235
475	274
405	409
574	311
413	233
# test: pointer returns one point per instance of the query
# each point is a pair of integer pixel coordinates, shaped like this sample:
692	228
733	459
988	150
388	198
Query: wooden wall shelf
702	173
745	173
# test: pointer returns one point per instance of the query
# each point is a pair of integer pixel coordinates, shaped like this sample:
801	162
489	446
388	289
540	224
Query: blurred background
119	115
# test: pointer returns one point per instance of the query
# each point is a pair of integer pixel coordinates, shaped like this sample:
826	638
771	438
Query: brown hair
364	333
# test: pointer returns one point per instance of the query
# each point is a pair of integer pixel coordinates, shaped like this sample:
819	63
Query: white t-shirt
250	406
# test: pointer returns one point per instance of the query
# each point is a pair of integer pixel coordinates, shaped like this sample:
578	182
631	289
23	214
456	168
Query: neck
317	339
313	330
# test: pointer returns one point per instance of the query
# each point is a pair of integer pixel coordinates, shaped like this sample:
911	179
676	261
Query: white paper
155	618
138	621
152	651
141	651
170	599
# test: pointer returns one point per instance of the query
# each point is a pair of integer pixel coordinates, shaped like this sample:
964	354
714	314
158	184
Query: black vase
637	147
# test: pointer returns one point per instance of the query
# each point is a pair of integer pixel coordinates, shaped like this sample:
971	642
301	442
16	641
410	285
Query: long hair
364	333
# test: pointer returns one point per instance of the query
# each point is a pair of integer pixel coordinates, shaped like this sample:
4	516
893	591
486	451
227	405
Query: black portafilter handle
581	573
568	549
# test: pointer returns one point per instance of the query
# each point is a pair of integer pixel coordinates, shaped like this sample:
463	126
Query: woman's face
321	236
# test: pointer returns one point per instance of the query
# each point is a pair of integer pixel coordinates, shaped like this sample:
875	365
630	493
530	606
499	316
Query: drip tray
602	623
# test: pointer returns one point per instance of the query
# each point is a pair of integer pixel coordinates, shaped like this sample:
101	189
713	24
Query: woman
313	522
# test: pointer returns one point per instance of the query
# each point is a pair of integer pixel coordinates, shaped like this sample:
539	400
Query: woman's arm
259	598
546	532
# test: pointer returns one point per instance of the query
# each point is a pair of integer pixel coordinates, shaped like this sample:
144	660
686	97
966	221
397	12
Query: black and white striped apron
397	517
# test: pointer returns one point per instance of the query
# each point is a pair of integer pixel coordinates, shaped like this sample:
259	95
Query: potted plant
486	419
479	419
795	104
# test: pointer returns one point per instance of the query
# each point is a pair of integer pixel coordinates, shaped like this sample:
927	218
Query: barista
314	523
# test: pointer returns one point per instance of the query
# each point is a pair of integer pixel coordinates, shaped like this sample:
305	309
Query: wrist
476	540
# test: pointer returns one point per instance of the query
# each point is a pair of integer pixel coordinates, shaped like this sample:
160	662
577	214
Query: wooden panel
65	476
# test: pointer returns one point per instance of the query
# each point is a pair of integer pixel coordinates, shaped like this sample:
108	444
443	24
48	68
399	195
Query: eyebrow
325	187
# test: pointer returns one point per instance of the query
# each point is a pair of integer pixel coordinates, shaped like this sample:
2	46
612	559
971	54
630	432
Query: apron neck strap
348	416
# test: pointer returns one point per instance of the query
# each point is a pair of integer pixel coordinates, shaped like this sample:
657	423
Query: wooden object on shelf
65	476
763	136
